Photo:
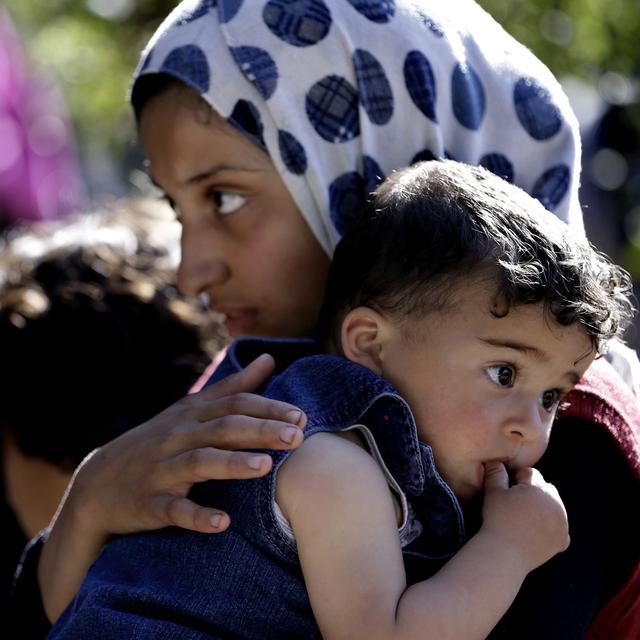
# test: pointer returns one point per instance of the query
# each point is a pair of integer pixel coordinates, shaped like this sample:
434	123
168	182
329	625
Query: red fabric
603	397
620	618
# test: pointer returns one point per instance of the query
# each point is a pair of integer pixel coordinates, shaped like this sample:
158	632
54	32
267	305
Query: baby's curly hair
436	224
95	337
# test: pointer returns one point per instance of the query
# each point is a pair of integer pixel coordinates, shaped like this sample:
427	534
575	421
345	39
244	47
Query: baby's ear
362	335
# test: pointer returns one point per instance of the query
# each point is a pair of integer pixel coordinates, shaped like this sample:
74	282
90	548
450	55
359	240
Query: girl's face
244	242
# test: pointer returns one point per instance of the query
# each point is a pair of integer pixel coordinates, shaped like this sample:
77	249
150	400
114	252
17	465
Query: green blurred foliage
575	37
92	58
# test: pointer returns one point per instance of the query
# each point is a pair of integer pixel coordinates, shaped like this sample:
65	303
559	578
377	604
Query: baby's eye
504	375
227	201
549	399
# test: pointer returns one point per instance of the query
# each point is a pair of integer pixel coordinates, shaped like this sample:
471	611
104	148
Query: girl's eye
504	375
549	399
227	201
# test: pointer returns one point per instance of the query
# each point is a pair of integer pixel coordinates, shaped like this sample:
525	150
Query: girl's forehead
178	106
192	148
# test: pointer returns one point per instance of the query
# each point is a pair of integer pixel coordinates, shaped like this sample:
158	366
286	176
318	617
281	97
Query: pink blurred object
39	173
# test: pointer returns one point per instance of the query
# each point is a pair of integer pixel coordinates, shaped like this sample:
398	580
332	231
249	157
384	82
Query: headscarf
39	174
342	92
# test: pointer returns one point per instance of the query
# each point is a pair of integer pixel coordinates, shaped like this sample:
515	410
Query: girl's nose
202	264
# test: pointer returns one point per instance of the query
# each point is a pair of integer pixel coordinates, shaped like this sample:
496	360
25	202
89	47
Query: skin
487	389
244	242
483	391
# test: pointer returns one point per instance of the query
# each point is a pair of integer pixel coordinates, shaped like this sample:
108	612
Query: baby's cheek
479	426
479	440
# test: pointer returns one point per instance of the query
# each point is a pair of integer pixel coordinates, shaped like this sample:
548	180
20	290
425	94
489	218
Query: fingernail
256	462
288	434
215	520
294	417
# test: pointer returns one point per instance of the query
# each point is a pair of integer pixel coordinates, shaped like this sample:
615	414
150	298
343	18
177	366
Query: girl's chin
242	323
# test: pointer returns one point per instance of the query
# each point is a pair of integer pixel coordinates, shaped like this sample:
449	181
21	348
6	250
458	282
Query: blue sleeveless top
247	582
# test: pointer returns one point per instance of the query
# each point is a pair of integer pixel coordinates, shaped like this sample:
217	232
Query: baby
458	315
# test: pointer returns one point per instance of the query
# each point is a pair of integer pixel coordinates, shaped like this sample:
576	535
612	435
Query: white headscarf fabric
342	92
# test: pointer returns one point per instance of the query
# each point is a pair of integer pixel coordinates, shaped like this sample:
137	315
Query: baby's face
483	387
244	241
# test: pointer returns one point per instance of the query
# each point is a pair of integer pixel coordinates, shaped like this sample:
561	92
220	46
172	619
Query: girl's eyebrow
209	173
212	171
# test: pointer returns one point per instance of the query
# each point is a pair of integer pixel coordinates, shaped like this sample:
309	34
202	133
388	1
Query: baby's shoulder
329	453
327	464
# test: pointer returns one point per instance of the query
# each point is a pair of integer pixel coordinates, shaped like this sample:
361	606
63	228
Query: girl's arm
140	480
343	517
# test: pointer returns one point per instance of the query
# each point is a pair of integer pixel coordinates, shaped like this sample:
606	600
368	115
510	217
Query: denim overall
247	582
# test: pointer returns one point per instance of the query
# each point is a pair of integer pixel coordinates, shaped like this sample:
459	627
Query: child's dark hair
435	223
95	337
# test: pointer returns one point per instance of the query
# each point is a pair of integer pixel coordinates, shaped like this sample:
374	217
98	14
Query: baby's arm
343	517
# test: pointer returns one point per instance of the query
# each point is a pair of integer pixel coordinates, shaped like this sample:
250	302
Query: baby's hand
529	515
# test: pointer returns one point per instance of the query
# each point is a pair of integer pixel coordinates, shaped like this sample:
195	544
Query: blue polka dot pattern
498	164
375	90
258	67
467	95
535	109
376	11
301	23
246	117
228	9
332	109
199	10
373	174
147	61
551	187
346	198
188	63
421	83
339	81
292	152
431	24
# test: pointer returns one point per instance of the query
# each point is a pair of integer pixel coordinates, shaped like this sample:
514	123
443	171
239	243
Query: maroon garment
603	398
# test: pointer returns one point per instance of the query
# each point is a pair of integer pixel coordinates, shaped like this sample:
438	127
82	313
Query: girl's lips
240	323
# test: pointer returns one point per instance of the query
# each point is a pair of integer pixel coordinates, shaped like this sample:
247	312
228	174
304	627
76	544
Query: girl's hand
529	515
140	480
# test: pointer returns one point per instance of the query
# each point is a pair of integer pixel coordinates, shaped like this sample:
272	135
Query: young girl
339	95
